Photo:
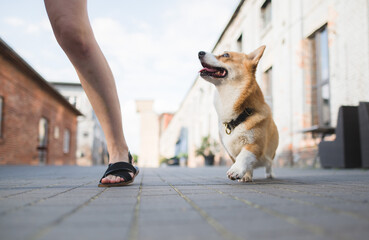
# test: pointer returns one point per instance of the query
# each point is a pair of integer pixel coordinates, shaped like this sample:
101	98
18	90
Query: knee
74	38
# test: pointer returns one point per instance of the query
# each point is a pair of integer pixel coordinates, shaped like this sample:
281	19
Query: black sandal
120	169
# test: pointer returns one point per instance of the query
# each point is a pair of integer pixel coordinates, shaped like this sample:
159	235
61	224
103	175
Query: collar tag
229	126
227	129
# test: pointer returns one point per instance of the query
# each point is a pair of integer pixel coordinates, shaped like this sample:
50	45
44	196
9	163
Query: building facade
37	124
91	143
149	134
196	118
316	60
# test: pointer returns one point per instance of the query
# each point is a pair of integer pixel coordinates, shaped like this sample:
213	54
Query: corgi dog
246	127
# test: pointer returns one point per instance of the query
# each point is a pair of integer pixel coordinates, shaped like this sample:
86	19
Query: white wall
293	21
149	134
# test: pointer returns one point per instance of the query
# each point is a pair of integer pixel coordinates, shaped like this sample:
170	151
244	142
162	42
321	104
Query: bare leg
72	29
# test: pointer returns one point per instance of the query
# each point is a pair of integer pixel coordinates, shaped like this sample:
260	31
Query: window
267	87
320	81
56	132
72	100
43	126
1	116
239	44
78	103
42	132
266	13
66	142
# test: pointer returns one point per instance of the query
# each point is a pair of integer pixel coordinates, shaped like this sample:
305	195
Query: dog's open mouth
216	72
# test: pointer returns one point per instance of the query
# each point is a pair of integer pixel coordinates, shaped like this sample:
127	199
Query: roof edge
216	44
235	14
35	76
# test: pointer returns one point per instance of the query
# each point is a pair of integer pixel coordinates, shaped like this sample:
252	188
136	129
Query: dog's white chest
240	136
237	139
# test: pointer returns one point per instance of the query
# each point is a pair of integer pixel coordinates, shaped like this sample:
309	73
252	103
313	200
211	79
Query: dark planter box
344	152
209	160
364	132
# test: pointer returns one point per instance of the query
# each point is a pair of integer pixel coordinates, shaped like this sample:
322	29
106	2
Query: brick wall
25	102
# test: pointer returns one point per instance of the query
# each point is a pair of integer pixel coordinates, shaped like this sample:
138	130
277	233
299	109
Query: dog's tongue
208	70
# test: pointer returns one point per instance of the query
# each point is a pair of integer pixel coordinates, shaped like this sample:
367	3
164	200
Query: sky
150	45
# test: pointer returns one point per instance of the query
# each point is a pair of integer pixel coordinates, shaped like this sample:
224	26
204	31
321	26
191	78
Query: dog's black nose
201	54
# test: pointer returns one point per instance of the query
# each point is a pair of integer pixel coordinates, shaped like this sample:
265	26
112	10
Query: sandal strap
121	169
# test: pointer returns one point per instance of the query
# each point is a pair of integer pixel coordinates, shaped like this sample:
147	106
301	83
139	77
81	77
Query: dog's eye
225	55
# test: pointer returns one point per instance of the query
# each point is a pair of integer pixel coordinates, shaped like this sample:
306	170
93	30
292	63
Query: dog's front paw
246	178
237	171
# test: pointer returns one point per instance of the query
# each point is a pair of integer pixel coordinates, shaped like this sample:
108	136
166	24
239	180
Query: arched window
66	142
43	126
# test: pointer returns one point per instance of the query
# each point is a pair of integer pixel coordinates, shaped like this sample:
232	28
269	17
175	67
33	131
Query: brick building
37	124
91	142
317	59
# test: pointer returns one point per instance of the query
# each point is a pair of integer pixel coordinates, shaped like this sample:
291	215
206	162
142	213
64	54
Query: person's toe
113	179
105	180
117	179
108	179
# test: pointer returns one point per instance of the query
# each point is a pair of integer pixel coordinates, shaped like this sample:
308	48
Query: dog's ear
256	55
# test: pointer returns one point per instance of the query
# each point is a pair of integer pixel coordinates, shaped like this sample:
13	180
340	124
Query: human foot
119	172
113	179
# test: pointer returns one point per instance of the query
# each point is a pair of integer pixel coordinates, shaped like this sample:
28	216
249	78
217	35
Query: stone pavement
181	203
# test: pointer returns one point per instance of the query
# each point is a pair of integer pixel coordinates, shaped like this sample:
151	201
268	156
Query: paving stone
64	202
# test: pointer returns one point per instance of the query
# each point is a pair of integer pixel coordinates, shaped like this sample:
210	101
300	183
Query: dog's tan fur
254	142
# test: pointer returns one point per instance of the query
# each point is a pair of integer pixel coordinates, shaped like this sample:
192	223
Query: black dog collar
229	126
